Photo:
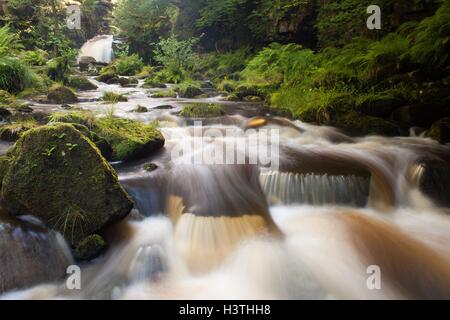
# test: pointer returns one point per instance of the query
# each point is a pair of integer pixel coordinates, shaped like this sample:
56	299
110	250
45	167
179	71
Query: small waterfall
315	189
100	48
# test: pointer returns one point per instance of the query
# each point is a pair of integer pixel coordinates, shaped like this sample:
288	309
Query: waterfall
315	189
99	47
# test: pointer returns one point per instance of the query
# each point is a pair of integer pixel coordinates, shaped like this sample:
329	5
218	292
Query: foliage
177	57
128	65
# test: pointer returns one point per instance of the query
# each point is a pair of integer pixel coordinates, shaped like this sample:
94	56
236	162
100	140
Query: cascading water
309	229
100	48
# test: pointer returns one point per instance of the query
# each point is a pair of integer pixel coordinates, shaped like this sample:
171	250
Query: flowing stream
308	229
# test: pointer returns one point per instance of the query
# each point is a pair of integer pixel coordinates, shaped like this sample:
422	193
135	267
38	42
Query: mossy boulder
243	91
129	139
107	76
164	94
189	91
81	83
90	247
202	110
128	82
60	95
440	131
58	175
253	99
149	167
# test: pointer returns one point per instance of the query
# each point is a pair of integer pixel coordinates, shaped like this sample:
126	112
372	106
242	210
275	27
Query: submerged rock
58	175
140	109
150	167
30	255
61	95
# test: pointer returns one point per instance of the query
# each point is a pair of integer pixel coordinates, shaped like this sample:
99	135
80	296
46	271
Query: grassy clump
202	110
113	97
164	94
13	131
85	118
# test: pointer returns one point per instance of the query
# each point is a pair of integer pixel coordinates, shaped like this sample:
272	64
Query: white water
99	47
210	232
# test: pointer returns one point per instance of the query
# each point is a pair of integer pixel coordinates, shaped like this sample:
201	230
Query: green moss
129	139
85	118
59	176
90	247
4	166
106	75
202	110
164	94
81	83
440	131
61	94
113	97
189	90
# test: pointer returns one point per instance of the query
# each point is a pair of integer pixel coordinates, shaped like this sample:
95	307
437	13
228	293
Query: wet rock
433	180
85	61
90	247
61	95
128	82
81	83
440	131
202	110
57	175
152	83
66	106
150	167
163	107
113	80
140	109
30	255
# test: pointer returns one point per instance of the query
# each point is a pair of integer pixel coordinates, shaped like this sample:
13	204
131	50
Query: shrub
128	66
15	76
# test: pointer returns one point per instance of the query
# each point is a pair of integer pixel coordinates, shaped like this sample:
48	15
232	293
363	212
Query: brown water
309	228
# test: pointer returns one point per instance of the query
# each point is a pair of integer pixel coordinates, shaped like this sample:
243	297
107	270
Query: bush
113	97
15	76
128	66
35	58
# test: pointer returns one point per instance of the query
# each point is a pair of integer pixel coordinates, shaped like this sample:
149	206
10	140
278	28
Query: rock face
58	175
61	95
30	255
90	247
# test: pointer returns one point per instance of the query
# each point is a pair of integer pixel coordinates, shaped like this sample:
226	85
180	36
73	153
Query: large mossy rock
61	95
58	175
81	83
129	139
